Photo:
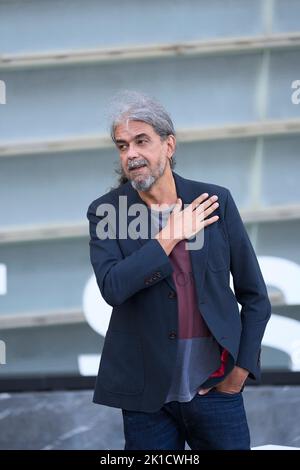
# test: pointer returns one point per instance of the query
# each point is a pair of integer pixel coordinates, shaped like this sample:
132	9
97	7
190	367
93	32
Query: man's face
143	155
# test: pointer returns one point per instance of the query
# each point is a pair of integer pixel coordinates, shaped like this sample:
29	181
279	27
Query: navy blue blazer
135	278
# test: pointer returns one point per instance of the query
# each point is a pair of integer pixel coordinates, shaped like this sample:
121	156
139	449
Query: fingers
211	220
210	209
201	203
207	208
202	207
196	202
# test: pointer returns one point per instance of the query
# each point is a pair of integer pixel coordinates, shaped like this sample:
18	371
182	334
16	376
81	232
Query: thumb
177	207
204	391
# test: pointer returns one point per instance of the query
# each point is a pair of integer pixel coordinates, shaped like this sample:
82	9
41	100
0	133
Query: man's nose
132	151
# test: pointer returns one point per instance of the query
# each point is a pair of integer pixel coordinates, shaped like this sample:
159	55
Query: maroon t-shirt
198	353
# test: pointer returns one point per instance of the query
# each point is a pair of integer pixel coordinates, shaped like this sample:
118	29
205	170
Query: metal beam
66	316
43	232
272	214
80	229
155	51
100	141
43	318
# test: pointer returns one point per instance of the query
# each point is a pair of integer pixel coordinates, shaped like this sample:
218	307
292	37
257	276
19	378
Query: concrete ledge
69	420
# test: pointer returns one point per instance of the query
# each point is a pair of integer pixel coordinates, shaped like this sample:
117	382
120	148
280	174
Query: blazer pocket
217	259
121	367
218	251
215	266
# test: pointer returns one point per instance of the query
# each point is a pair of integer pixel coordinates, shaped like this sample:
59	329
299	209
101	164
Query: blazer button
172	335
172	294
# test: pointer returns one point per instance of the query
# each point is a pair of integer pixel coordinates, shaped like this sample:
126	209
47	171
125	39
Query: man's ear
171	142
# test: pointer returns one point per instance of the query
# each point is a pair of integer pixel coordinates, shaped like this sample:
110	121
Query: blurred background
228	71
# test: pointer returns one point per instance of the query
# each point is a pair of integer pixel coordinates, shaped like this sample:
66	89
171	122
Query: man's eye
122	147
141	141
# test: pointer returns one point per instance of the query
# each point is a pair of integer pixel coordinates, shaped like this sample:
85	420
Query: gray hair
135	106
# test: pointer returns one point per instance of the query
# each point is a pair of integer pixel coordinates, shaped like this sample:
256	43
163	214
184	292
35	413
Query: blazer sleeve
250	290
120	277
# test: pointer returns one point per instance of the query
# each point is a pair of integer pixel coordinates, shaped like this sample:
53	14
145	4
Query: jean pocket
225	394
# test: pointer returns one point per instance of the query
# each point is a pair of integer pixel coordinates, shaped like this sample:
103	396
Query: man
177	351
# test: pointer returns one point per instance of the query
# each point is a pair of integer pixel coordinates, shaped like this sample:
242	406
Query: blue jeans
215	421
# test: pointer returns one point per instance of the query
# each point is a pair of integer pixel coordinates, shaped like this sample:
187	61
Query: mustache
136	163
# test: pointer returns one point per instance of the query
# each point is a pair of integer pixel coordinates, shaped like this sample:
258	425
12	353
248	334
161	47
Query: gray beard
146	183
